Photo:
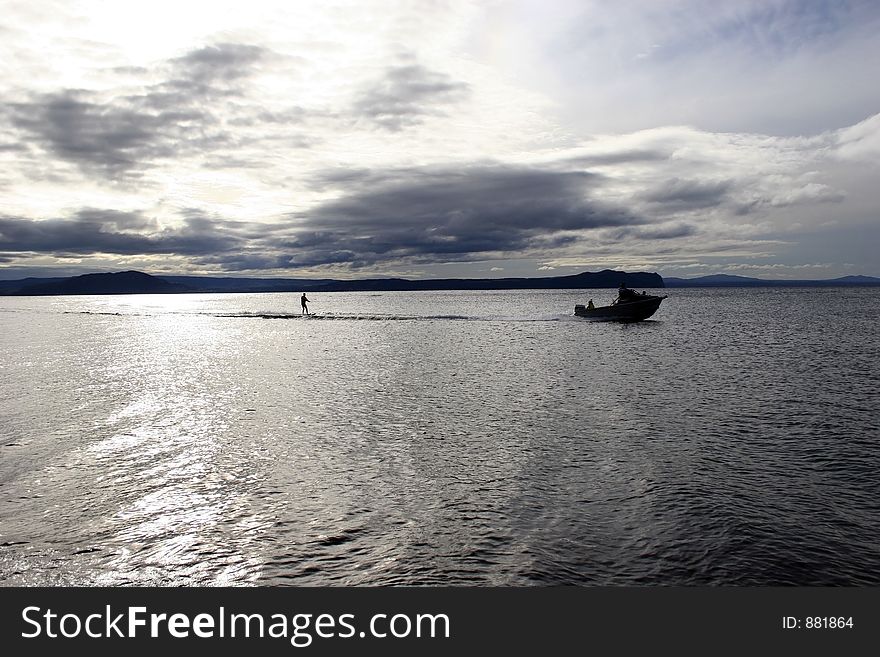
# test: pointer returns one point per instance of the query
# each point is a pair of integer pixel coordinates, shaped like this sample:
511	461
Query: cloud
73	126
677	195
431	213
120	135
659	232
221	62
704	178
626	156
860	142
406	94
661	186
91	231
781	67
504	135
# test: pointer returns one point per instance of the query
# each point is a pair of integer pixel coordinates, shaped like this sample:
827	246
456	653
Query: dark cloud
105	231
225	61
619	157
409	215
677	195
256	260
116	220
209	75
188	113
406	95
433	214
660	232
75	127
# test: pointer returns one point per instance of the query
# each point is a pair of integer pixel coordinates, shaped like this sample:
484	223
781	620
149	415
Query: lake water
433	438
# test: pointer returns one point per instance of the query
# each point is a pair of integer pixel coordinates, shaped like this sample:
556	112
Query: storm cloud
92	231
415	215
432	213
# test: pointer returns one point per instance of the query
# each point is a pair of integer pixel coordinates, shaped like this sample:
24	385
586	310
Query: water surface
429	438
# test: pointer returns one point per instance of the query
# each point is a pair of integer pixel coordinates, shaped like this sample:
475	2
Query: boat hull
629	311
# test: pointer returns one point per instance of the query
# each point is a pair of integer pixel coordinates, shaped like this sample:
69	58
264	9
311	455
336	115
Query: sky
440	138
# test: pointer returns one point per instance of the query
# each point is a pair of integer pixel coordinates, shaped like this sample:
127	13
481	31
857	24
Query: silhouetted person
625	294
304	301
590	305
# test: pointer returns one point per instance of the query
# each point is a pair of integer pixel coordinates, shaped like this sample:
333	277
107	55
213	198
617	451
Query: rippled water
440	438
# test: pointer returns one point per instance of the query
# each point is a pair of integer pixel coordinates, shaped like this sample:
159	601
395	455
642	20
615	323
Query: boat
629	306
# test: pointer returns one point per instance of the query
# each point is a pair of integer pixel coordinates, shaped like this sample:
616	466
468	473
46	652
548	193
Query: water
434	438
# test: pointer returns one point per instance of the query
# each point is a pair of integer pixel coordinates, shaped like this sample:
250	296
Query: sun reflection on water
181	509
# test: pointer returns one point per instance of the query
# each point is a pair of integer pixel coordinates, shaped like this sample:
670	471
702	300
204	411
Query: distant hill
126	282
713	280
13	287
604	279
133	282
857	280
726	280
224	284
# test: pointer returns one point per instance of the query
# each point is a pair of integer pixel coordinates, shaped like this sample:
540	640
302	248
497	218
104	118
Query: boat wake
341	317
390	317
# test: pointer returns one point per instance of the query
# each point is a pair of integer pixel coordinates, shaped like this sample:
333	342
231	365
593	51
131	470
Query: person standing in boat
625	294
303	301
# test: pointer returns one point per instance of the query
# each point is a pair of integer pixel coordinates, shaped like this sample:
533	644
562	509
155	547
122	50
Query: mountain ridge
124	282
133	282
729	280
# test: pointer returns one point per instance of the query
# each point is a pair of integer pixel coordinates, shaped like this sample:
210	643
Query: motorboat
629	306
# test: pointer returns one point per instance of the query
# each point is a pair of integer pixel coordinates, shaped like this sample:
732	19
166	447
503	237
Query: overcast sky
440	138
